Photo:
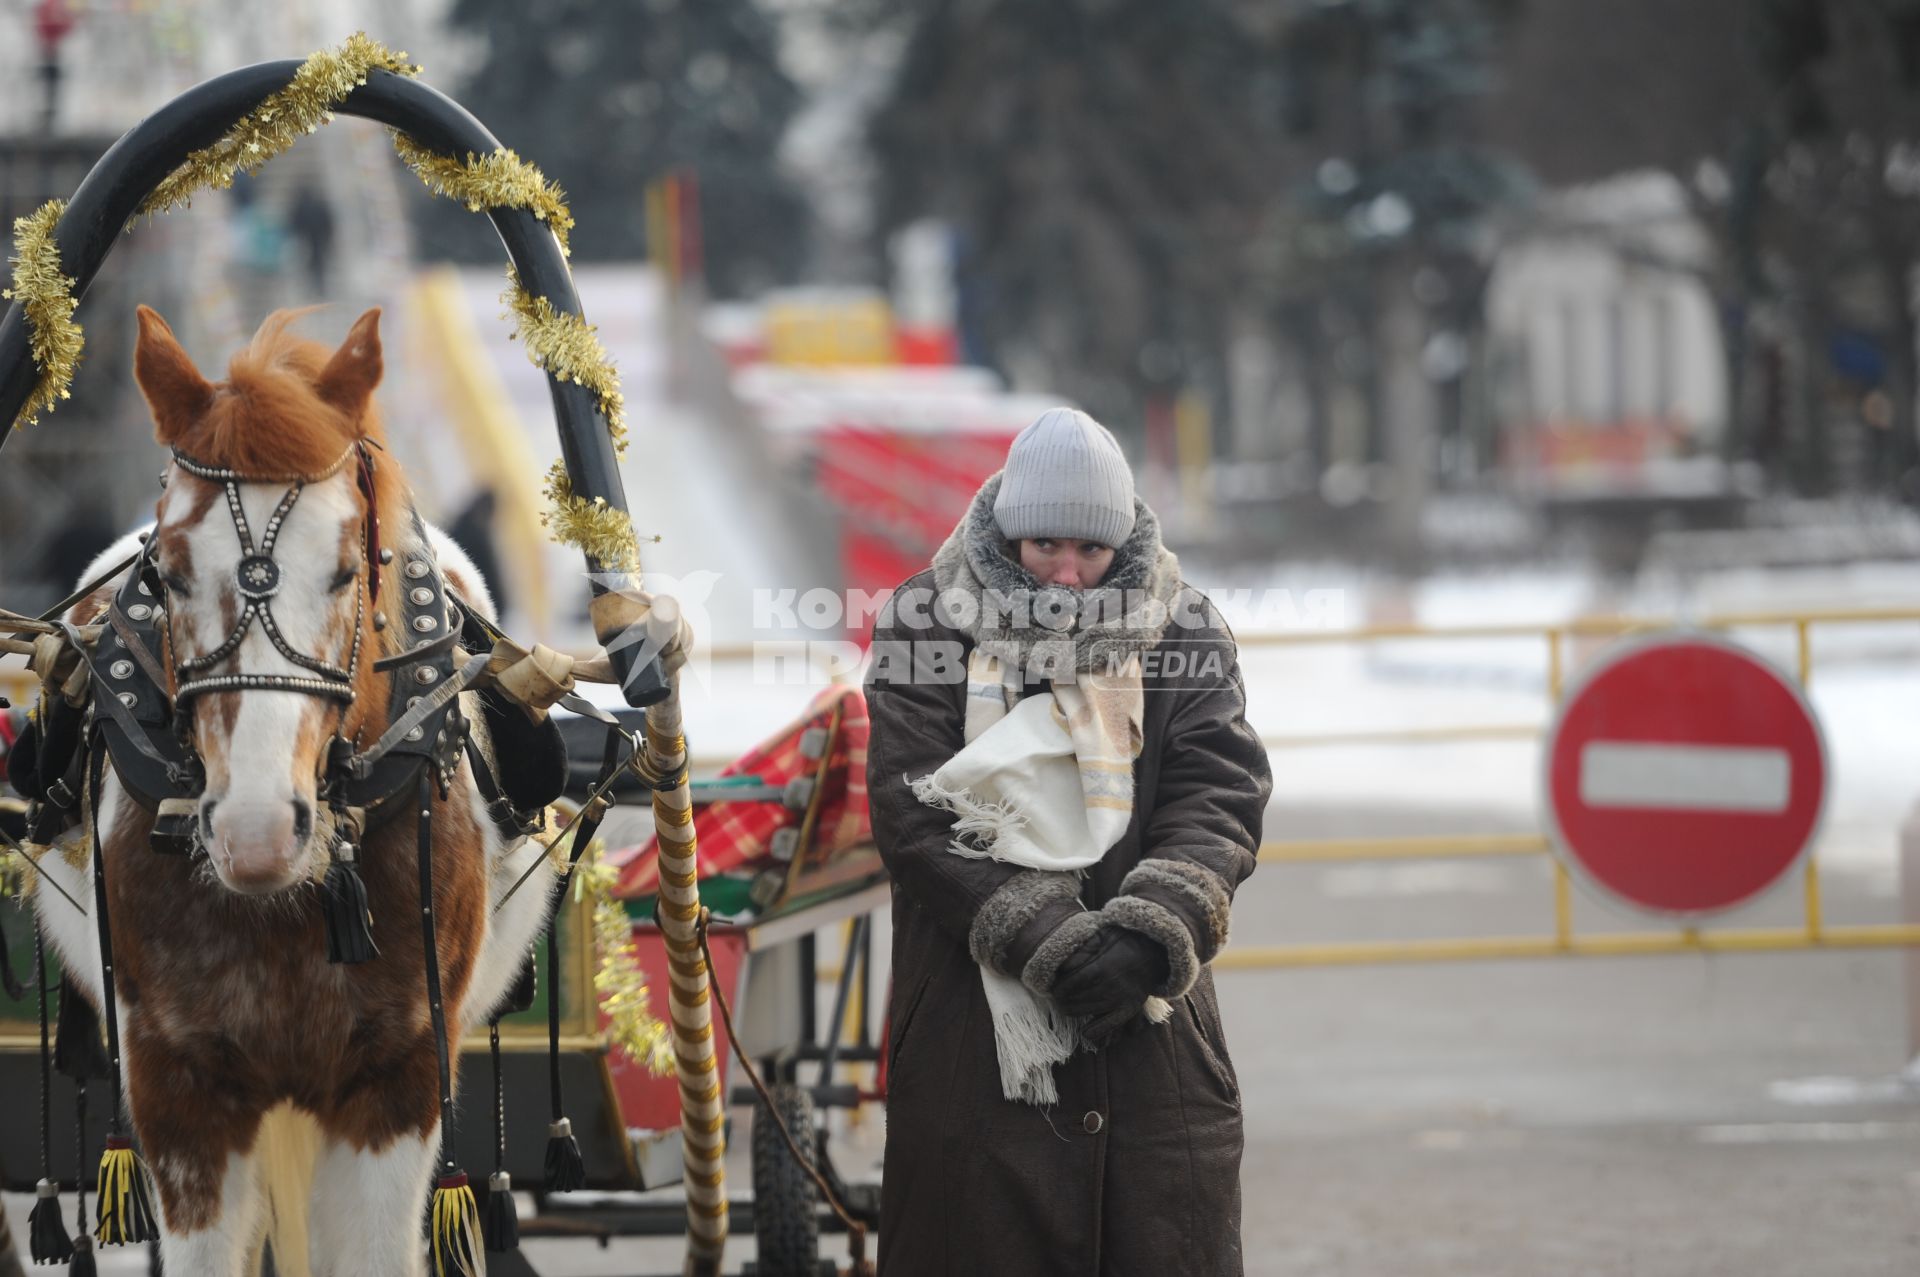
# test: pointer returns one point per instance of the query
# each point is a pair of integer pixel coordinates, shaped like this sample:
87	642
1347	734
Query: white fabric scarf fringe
1044	782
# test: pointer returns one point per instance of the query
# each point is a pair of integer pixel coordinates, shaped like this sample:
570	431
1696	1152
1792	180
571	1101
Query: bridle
257	580
148	726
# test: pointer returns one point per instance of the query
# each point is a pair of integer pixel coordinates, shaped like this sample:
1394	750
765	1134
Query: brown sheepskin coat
1137	1169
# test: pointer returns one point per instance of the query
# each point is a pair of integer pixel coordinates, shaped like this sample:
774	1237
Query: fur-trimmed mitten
1114	968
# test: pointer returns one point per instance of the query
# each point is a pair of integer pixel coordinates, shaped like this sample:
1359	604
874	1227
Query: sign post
1683	775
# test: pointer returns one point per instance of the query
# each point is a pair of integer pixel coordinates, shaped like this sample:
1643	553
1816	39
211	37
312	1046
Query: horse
297	611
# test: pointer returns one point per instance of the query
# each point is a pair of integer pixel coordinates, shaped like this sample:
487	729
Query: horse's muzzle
257	847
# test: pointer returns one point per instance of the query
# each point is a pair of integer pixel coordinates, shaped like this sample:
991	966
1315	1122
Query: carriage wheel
786	1223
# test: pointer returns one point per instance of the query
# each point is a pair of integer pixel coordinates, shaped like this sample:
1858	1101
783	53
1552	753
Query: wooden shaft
689	1009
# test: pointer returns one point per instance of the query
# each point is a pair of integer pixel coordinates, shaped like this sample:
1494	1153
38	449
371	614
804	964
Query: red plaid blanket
734	836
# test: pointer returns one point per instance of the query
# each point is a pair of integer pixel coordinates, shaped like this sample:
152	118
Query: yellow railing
1814	931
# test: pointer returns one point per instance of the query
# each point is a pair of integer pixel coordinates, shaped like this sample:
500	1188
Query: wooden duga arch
146	154
100	211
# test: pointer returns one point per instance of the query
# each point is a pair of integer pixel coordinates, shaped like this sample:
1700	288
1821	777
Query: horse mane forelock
267	417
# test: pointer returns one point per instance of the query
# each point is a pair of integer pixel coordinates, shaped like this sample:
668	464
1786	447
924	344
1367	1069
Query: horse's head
264	551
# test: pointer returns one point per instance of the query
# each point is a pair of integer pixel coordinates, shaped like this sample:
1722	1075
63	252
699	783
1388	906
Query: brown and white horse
267	1086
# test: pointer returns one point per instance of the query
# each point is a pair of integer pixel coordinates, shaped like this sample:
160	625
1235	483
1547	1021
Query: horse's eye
174	585
343	578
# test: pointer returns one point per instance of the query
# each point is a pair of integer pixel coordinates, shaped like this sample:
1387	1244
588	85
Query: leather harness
147	729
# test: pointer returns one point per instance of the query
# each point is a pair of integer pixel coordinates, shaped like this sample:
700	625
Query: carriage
289	606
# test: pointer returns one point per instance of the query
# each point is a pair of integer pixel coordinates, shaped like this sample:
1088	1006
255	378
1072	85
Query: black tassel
499	1224
78	1051
16	988
82	1264
349	922
526	987
502	1224
47	1239
566	1168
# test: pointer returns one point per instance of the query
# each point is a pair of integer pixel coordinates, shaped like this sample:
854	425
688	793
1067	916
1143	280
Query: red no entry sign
1684	775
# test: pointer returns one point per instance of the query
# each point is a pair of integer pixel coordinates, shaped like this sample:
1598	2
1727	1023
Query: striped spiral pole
702	1100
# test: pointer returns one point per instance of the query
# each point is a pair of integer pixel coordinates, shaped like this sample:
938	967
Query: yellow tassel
125	1207
456	1229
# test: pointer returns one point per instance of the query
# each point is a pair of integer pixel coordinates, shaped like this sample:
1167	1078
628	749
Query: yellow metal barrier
1562	942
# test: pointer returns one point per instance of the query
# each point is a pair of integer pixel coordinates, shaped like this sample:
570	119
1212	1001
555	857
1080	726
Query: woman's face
1076	564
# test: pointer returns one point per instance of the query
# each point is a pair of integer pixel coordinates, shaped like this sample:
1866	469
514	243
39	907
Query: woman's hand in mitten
1114	969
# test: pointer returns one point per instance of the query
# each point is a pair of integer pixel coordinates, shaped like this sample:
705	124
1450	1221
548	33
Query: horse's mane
267	417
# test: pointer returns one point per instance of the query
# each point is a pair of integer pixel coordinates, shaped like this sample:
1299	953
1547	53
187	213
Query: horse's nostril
302	819
206	818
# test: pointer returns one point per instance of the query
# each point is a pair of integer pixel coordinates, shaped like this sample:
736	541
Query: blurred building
1608	373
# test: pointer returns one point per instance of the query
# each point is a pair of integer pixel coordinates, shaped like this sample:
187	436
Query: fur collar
1008	613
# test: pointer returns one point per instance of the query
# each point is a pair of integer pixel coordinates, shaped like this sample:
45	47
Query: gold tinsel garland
594	526
563	345
46	293
322	83
499	180
617	978
569	349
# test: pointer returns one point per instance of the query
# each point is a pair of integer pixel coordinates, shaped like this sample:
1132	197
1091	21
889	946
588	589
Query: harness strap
506	817
221	474
136	647
361	765
421	652
565	1166
587	709
430	938
106	701
109	1001
370	530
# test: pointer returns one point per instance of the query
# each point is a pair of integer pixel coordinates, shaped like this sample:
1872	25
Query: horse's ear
348	380
176	392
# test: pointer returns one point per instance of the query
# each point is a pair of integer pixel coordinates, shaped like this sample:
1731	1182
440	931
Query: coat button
1092	1122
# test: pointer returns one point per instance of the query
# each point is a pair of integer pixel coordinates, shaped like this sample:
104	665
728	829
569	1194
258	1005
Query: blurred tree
1103	161
1378	252
1843	183
606	98
1794	126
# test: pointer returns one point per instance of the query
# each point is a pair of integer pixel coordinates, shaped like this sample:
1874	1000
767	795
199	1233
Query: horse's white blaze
259	752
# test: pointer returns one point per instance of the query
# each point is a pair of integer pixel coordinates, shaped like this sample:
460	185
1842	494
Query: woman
1066	792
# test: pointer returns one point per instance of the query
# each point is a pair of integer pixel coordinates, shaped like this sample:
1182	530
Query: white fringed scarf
1044	782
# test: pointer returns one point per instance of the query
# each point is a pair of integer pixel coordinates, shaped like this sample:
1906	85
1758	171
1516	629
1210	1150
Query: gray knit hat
1066	477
